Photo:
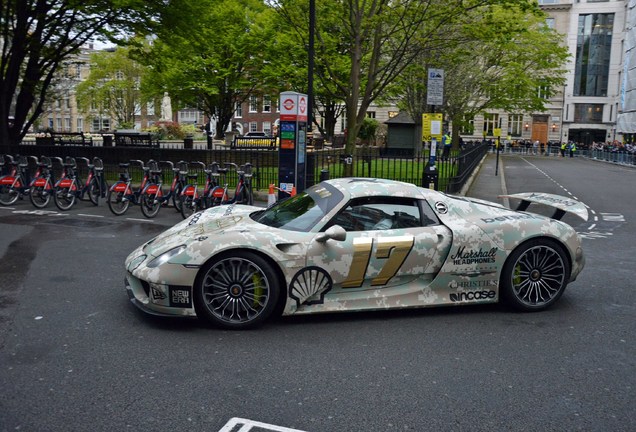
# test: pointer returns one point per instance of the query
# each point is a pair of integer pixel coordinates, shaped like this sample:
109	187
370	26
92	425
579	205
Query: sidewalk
484	184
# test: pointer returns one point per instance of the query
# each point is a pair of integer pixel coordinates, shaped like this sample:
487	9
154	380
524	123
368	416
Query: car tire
237	290
535	275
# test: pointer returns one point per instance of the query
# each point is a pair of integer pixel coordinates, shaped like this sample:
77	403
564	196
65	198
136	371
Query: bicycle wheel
150	205
40	196
64	198
248	198
188	206
176	198
117	202
8	195
94	191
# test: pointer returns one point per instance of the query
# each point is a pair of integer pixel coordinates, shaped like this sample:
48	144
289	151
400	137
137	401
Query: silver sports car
356	244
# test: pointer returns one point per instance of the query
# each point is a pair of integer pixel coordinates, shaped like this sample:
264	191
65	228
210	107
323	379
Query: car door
393	247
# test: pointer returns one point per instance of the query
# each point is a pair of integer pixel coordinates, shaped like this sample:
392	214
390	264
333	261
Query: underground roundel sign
288	104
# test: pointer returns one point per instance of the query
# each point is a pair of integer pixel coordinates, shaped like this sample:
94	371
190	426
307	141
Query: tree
498	58
374	41
212	55
113	86
38	36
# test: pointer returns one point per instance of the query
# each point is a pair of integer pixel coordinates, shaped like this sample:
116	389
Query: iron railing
405	165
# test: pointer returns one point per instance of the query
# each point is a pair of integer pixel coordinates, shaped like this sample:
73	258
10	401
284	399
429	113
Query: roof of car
356	187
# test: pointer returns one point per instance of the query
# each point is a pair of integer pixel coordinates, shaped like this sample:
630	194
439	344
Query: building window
253	104
267	128
58	124
549	23
238	112
543	92
188	116
515	123
371	114
467	126
50	122
267	104
80	125
491	122
588	113
253	127
593	46
67	124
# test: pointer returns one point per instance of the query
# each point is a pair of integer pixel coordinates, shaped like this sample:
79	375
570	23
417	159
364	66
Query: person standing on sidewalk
563	147
446	143
572	148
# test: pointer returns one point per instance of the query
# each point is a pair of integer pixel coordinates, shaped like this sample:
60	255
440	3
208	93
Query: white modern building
595	33
626	123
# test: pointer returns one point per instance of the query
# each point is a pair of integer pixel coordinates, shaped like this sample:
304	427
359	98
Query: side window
428	214
380	213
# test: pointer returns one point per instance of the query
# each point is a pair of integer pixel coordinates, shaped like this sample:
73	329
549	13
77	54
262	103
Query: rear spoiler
562	204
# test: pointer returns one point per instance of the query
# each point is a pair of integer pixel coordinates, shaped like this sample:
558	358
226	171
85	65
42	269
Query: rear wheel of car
237	291
535	275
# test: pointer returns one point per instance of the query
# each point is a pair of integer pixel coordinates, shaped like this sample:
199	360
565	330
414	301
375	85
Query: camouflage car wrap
454	256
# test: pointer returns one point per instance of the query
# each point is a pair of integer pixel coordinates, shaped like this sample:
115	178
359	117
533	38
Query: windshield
302	212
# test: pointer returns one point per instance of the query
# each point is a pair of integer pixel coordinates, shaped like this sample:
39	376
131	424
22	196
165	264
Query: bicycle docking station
292	153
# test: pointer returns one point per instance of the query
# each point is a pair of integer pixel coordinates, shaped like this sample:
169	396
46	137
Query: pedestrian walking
535	147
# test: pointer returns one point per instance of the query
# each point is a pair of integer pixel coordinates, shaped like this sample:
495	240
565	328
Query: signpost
293	143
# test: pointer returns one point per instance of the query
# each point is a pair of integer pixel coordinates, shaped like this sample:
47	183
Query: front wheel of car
236	291
535	275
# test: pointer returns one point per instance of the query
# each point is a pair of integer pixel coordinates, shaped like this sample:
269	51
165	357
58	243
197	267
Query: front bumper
160	300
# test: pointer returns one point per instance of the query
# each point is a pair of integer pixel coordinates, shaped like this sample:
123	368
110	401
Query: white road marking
247	425
90	215
140	220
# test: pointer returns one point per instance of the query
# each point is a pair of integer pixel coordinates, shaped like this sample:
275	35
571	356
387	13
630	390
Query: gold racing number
393	249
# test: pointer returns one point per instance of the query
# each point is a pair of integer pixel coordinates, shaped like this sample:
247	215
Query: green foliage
40	37
368	129
167	130
496	57
213	55
112	86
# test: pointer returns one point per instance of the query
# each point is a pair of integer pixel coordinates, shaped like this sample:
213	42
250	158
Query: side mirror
336	232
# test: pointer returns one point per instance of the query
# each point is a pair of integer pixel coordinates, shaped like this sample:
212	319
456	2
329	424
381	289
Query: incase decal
472	295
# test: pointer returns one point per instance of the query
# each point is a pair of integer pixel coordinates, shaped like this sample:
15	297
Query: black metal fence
404	165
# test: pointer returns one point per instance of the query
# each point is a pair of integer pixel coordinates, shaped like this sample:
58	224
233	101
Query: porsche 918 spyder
356	244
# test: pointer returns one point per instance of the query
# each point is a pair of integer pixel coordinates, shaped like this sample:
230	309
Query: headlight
165	257
136	262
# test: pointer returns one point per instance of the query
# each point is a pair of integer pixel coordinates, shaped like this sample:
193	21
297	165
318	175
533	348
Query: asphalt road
75	355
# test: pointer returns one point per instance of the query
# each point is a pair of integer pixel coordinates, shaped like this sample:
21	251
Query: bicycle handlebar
169	163
201	164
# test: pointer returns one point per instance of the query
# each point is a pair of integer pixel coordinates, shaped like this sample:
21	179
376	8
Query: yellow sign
432	126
